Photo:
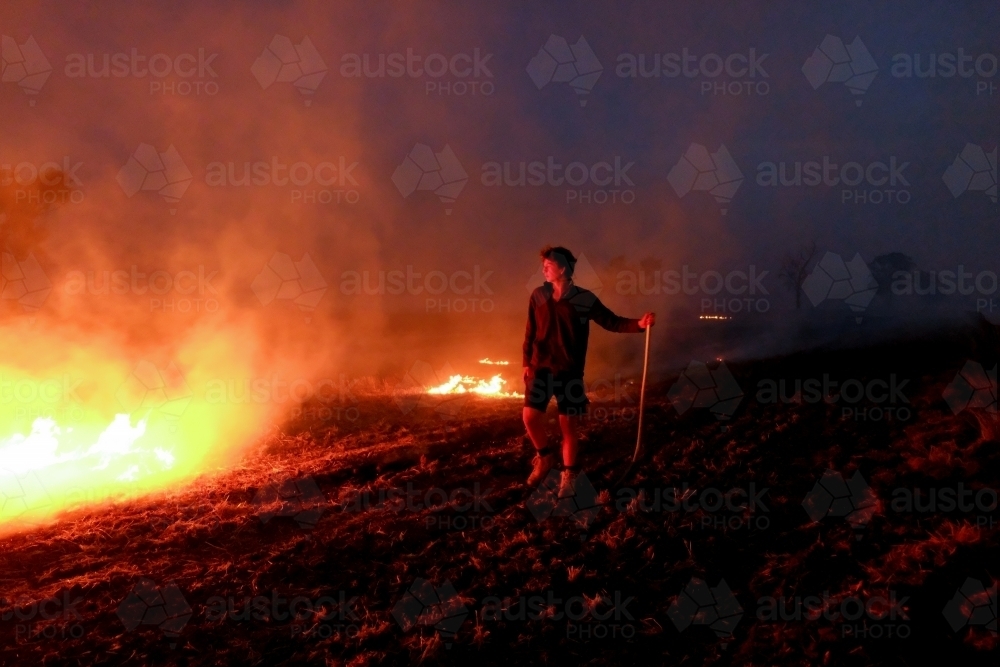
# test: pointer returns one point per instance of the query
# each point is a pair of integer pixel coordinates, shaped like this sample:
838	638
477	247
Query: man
555	350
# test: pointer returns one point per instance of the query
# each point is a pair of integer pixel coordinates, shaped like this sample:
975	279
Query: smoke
285	260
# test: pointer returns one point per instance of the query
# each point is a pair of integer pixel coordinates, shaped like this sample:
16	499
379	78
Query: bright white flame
116	440
48	444
487	361
458	384
54	467
21	453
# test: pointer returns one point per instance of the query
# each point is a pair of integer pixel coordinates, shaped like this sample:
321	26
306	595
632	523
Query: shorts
567	387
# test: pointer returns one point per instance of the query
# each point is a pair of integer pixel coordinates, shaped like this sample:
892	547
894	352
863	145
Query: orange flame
81	425
465	384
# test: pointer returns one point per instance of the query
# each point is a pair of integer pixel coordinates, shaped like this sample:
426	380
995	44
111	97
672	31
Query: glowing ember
464	384
494	363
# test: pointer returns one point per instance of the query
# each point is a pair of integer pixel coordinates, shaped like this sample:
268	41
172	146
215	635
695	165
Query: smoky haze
240	116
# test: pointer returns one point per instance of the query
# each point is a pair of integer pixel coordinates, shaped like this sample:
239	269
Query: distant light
714	317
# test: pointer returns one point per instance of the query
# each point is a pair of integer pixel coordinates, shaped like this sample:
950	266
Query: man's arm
529	336
608	320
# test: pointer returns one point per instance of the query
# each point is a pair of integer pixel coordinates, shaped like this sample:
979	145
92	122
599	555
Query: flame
465	384
74	432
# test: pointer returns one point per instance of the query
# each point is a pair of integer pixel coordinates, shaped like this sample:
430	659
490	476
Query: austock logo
873	177
438	607
324	182
151	388
297	498
23	281
423	169
284	62
149	604
459	291
582	507
835	62
855	616
23	497
852	500
834	279
741	70
977	502
973	605
876	399
974	170
149	170
559	62
195	72
185	291
973	387
24	64
948	65
599	617
55	617
457	509
722	294
601	182
700	387
715	173
283	279
469	73
715	509
321	617
45	183
700	604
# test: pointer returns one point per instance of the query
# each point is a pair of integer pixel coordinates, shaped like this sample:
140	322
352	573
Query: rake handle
642	396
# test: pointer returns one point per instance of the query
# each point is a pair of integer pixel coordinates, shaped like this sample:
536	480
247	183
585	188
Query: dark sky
232	115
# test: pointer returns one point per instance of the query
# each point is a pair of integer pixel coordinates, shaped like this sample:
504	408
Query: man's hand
648	320
524	374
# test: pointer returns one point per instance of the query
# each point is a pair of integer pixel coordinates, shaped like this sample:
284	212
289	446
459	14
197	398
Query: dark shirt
557	331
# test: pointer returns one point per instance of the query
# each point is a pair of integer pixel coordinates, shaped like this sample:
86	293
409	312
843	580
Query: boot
543	462
567	481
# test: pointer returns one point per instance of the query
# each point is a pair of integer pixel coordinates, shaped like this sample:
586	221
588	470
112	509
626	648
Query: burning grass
352	530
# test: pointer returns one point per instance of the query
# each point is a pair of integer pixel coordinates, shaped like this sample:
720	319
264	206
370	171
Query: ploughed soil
314	512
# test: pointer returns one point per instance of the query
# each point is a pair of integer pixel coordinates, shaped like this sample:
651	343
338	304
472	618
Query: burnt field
406	534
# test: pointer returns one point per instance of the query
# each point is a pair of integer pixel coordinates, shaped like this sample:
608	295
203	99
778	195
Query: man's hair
562	256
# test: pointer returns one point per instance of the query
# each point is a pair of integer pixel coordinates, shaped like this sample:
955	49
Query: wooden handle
642	396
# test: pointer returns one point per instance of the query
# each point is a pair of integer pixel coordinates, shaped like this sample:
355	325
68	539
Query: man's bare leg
534	422
569	425
545	460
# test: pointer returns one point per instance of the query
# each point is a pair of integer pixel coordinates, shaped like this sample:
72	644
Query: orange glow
87	424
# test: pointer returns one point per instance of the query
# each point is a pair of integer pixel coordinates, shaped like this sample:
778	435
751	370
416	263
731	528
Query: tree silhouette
793	270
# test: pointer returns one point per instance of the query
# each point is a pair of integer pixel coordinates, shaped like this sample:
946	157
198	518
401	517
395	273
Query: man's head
557	262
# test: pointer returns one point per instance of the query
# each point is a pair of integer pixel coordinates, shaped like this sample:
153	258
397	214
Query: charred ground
233	535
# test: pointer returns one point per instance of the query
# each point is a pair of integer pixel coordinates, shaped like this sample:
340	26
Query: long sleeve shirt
558	331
